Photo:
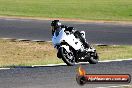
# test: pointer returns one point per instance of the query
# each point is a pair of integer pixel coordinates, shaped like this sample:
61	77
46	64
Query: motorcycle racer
71	45
57	26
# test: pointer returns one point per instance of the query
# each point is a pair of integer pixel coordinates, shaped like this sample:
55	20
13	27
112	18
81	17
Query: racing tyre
94	58
67	57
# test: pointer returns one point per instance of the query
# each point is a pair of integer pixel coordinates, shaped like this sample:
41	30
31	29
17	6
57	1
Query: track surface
61	76
103	33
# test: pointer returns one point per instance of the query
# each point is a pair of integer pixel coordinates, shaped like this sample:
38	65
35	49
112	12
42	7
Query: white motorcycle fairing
68	38
63	41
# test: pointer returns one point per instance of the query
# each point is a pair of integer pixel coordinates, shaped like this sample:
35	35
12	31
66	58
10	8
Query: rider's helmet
55	25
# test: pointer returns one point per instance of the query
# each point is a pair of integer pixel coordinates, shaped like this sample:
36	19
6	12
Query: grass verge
77	9
21	53
124	87
127	87
26	53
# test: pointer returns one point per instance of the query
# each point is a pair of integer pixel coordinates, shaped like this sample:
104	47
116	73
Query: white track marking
115	60
116	86
82	62
49	65
63	64
4	68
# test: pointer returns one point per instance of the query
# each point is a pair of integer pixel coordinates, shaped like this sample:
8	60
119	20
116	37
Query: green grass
114	52
26	53
20	53
129	86
77	9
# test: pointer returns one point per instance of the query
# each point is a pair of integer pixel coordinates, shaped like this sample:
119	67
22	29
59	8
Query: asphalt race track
63	76
97	33
60	76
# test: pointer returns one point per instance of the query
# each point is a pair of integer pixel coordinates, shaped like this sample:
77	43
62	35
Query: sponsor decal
83	78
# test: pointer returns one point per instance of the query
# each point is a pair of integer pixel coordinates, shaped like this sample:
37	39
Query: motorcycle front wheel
67	57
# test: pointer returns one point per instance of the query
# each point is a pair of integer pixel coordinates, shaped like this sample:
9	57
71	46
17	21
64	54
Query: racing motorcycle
71	50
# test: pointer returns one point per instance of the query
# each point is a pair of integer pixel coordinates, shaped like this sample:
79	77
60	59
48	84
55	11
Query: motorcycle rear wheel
94	59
